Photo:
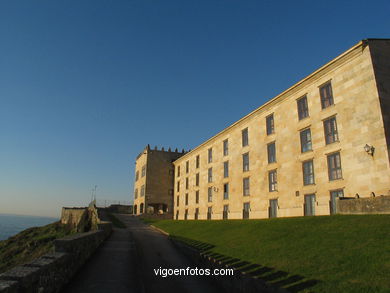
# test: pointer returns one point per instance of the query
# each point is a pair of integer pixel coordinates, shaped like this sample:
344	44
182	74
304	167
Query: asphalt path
126	262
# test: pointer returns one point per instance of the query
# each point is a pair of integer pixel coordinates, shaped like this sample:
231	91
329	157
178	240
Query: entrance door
209	211
225	211
245	210
310	200
273	208
333	197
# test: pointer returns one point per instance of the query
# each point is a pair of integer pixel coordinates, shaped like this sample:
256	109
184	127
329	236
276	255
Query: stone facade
154	175
311	152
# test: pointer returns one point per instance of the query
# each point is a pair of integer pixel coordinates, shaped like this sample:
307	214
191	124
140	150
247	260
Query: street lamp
369	149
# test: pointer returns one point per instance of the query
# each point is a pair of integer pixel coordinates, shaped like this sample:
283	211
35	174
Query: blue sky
85	85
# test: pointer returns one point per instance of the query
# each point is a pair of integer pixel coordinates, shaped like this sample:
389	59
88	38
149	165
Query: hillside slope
342	253
30	244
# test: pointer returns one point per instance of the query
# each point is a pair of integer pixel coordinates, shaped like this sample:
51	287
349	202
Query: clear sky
85	85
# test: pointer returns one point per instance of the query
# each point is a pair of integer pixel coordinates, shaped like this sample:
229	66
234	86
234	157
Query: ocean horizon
13	224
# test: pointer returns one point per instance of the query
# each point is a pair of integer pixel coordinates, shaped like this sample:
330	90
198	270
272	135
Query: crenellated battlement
162	149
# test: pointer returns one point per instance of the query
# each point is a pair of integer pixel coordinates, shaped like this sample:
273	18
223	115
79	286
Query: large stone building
154	175
325	137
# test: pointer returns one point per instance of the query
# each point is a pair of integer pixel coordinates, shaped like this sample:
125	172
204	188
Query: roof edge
358	45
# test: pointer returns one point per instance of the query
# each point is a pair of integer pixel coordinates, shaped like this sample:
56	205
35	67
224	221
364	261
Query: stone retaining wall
369	205
120	209
52	271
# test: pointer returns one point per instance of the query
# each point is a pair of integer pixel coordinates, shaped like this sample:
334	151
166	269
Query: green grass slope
30	244
343	253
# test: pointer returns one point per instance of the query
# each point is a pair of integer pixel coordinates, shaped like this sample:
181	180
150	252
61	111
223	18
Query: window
142	190
308	172
186	214
226	191
330	129
136	193
245	138
272	180
303	109
326	95
225	147
136	175
245	162
143	172
337	193
178	171
271	152
178	186
186	199
197	179
210	175
334	166
196	213
197	162
210	194
177	200
187	183
270	124
245	186
210	155
226	169
187	167
197	196
305	140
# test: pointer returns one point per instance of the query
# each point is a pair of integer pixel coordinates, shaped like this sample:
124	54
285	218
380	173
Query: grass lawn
344	253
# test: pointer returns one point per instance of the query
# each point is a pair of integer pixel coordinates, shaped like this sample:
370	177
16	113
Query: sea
13	224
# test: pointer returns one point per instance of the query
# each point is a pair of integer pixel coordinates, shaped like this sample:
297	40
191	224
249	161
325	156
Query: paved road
126	263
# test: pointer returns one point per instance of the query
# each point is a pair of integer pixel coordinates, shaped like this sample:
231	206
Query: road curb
159	230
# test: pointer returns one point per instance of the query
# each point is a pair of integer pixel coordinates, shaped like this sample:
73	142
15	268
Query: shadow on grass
273	277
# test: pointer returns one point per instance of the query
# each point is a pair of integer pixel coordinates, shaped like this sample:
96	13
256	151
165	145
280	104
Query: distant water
13	224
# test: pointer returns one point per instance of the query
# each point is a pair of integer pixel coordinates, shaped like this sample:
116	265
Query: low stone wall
52	271
120	209
166	216
369	205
